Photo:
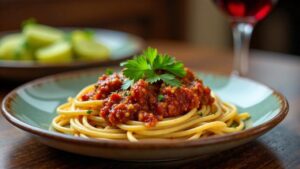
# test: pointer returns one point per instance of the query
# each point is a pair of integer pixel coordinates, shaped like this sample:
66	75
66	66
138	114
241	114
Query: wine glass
244	14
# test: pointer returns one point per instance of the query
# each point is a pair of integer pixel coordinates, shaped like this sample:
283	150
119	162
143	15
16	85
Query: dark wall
147	18
280	31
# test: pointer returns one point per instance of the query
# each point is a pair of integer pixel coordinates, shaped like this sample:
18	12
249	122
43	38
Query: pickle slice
90	50
40	35
59	52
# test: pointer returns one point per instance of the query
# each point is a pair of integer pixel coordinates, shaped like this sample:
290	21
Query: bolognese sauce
147	102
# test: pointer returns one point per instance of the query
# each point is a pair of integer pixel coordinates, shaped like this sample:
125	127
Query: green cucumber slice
40	35
59	52
12	48
90	50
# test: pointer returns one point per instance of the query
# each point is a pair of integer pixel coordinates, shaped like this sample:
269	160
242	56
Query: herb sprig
153	67
109	71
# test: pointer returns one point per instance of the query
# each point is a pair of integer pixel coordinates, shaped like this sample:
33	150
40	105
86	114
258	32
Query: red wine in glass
243	15
246	10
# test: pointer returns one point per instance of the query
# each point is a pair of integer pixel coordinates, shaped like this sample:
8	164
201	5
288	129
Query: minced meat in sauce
147	102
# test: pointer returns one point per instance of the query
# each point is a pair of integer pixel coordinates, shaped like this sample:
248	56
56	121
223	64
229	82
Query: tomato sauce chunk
147	102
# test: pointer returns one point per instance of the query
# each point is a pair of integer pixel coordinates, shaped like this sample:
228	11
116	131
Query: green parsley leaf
153	78
154	67
151	54
160	97
163	61
177	69
200	113
170	79
127	93
89	111
109	71
127	83
234	125
135	68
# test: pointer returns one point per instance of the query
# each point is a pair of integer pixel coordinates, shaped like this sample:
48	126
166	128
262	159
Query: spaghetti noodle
219	118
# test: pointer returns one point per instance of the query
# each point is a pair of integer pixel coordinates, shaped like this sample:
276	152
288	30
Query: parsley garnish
127	83
89	111
234	125
160	97
127	93
200	113
109	71
153	67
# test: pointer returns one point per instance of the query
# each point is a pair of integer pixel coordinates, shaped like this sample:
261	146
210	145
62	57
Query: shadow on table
7	86
31	154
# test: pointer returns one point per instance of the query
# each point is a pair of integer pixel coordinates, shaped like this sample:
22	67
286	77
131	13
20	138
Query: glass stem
241	37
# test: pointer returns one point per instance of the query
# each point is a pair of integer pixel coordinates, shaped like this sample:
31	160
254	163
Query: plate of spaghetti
149	109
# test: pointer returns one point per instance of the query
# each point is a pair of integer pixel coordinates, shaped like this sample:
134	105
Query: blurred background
194	21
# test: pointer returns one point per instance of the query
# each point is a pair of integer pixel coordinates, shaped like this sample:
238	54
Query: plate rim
11	64
155	144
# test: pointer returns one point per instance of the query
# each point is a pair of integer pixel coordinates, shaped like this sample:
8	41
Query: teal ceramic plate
31	107
121	45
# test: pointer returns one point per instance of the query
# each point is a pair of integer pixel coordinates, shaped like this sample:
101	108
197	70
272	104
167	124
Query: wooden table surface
279	148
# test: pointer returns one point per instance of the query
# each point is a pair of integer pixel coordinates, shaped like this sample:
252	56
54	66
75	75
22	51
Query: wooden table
279	148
